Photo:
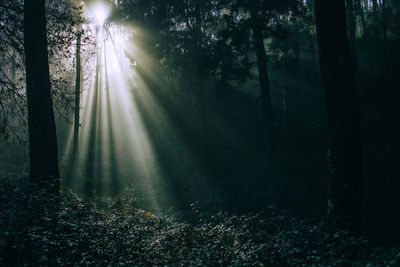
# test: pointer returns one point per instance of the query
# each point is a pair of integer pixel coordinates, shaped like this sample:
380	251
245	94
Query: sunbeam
98	12
115	148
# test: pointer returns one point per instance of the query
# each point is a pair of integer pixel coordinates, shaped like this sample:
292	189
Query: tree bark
297	47
312	48
265	94
360	11
13	67
42	129
77	92
345	150
375	16
384	30
352	34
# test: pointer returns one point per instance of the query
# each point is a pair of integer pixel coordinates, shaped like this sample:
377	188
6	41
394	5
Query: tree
12	74
345	178
257	26
77	91
261	14
78	75
358	9
352	33
384	29
375	18
42	131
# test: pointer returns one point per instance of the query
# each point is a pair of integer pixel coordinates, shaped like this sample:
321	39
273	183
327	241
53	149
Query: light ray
122	121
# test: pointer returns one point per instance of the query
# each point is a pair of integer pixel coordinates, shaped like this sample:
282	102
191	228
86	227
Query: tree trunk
297	48
360	11
77	92
345	177
352	34
375	16
265	94
285	88
42	129
314	69
13	67
384	30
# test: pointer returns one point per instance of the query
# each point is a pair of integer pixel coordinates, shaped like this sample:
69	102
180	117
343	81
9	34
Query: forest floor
114	232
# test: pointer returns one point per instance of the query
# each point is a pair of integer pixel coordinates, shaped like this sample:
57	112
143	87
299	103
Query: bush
105	231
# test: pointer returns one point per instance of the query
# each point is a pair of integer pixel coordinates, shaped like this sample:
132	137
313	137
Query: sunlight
115	147
126	134
98	12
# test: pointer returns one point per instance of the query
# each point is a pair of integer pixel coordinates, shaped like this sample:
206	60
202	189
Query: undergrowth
114	232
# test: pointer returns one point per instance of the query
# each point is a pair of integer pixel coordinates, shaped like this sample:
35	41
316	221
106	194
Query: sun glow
98	12
123	122
115	150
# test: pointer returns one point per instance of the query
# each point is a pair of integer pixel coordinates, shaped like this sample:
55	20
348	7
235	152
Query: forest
199	133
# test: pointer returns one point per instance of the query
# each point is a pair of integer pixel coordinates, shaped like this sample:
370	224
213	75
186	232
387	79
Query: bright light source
100	11
100	16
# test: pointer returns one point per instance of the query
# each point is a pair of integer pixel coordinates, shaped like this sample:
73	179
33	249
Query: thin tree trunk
285	89
297	48
314	69
13	67
310	6
77	93
360	11
361	8
375	16
352	34
265	94
42	129
384	29
345	150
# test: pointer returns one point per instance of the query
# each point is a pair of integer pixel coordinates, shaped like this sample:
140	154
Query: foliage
62	23
114	232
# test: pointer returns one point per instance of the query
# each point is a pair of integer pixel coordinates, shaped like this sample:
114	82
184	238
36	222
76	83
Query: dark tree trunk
77	92
345	177
312	48
310	6
359	11
384	29
265	94
375	16
297	48
42	129
352	34
286	87
13	67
